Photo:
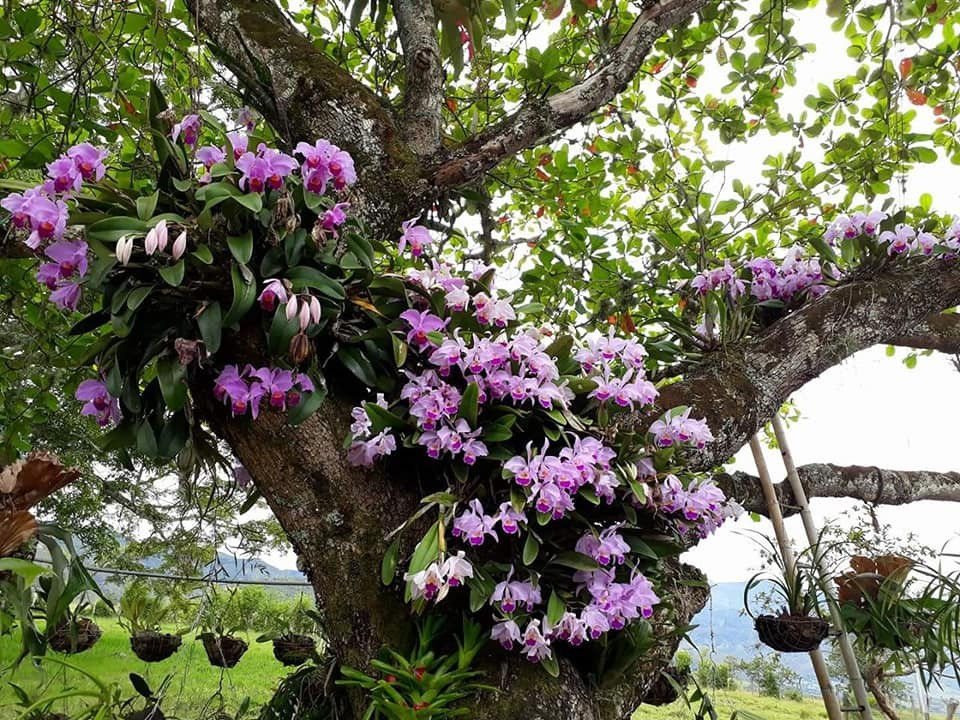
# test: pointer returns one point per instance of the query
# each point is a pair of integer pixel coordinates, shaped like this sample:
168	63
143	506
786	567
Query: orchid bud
314	310
299	348
124	249
292	308
150	242
162	237
304	315
179	245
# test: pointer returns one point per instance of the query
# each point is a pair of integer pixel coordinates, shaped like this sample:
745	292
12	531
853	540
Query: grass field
196	688
727	701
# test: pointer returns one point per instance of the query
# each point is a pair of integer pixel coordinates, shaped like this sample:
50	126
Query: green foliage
422	682
768	674
142	609
33	594
794	591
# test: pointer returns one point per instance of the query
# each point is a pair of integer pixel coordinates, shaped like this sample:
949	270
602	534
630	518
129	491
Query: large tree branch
871	484
937	332
541	117
738	390
423	87
305	95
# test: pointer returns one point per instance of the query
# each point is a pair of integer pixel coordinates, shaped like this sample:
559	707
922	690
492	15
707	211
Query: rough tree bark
337	517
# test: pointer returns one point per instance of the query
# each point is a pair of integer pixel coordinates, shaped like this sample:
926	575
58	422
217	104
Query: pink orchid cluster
514	369
439	276
244	390
792	277
43	211
902	239
98	402
617	367
701	507
612	605
674	430
368	447
267	169
436	580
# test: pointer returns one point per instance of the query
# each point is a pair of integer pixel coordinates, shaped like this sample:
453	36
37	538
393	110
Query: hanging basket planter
223	650
791	633
82	636
294	650
152	646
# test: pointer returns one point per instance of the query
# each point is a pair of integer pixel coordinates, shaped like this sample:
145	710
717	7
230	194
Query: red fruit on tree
906	65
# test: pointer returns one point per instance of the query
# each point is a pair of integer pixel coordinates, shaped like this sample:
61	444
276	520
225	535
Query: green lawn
727	701
197	687
195	684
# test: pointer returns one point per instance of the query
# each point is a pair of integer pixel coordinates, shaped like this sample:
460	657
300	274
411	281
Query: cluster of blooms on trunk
42	212
471	363
245	390
266	168
794	276
901	239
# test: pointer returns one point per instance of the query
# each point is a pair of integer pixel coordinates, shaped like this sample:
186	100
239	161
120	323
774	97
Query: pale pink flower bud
179	245
124	249
314	310
292	308
304	315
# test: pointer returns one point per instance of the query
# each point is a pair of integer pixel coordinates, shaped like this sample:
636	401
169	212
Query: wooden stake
789	562
813	537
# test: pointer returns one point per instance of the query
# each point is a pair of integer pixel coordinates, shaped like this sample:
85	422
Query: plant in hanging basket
219	639
142	613
294	650
154	646
74	636
292	645
223	650
795	625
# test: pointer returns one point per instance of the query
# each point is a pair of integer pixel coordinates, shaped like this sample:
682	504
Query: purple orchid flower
89	160
64	175
70	256
48	219
273	294
417	236
98	402
421	323
19	206
334	217
189	127
210	155
66	296
255	171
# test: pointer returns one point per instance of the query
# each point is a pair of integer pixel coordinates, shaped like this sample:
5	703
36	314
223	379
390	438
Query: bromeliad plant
422	683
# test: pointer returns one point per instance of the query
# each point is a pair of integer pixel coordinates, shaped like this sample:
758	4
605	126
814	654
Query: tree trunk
337	517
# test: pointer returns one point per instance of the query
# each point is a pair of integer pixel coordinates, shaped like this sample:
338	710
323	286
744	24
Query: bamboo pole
843	640
789	562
